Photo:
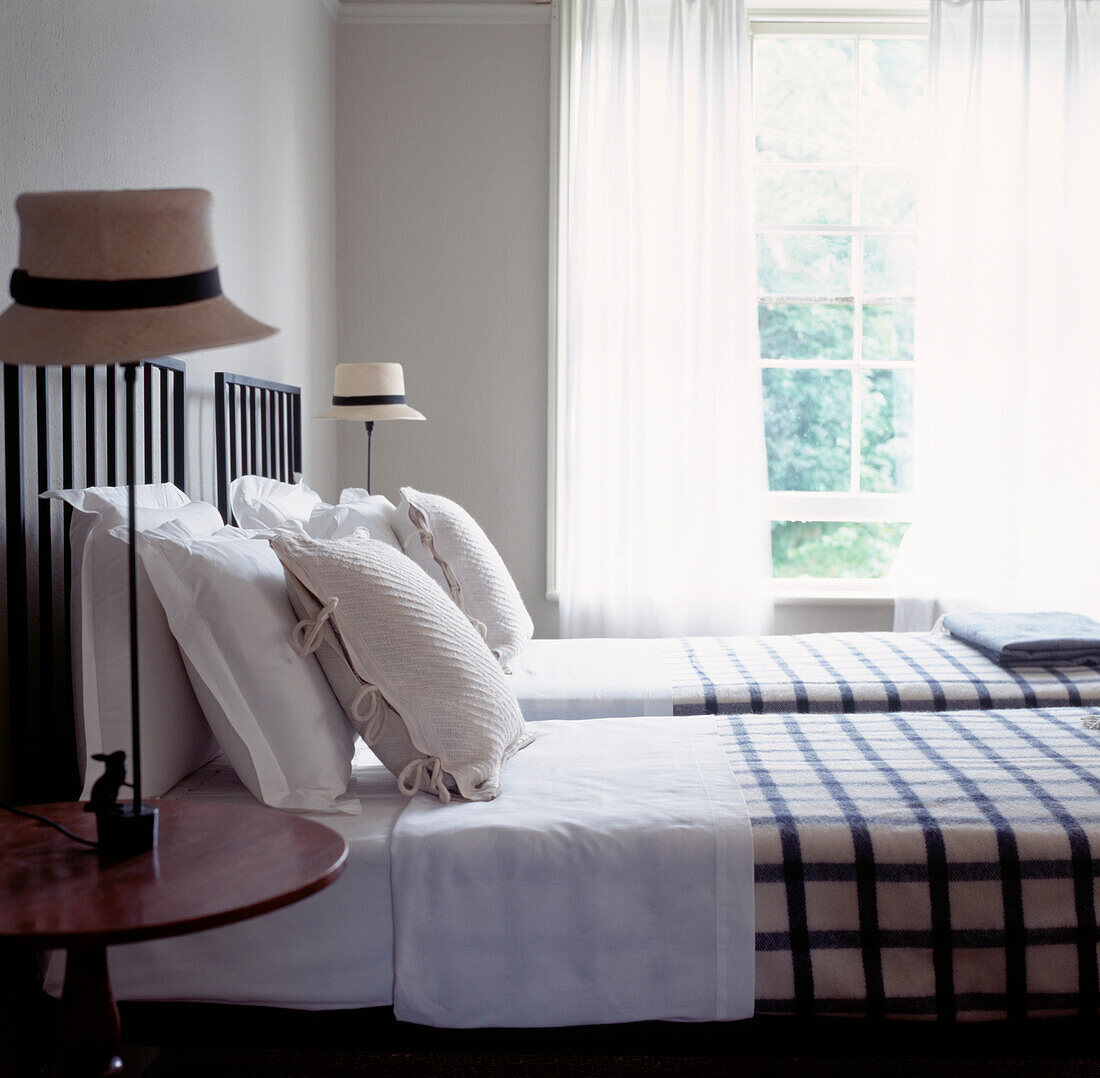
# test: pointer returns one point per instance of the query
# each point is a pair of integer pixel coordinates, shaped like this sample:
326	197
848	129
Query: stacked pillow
177	739
447	543
398	661
404	655
357	509
258	503
273	714
255	501
367	711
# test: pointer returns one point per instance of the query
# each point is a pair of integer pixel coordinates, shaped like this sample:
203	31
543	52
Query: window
838	107
838	116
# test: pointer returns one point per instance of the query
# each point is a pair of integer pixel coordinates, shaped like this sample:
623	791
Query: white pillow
371	511
272	710
175	737
447	543
356	494
258	502
373	719
417	653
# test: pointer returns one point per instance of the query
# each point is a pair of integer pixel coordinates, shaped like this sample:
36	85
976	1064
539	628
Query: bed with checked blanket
923	865
860	672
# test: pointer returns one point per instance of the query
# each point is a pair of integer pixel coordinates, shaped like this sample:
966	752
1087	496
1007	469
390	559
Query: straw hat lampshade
367	392
118	277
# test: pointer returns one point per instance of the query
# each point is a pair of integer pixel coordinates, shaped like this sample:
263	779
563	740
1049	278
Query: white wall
233	95
442	188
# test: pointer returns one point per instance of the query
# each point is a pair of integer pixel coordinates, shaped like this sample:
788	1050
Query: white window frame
851	505
903	18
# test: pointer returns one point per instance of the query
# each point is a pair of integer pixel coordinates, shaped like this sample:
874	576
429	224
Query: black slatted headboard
258	428
65	427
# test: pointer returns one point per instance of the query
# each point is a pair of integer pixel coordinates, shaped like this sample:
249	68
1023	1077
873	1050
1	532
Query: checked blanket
860	672
923	865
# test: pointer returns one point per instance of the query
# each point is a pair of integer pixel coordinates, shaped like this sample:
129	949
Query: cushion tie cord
453	586
306	639
307	634
374	720
424	769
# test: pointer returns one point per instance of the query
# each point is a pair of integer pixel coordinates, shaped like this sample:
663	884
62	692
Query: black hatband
65	294
353	402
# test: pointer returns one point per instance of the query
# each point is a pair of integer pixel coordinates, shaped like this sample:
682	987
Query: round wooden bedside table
214	864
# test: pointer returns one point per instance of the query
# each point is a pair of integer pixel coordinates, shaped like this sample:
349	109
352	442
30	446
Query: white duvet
612	881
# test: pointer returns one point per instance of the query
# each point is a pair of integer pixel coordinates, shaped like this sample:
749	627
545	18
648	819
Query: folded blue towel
1044	639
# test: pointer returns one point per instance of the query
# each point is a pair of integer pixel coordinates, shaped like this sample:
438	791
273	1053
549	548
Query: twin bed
888	825
812	674
917	865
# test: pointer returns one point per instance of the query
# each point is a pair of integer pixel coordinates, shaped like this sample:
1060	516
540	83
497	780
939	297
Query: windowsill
808	594
805	591
817	597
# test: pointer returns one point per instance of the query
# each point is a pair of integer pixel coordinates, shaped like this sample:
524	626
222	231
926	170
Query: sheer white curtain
663	528
1008	315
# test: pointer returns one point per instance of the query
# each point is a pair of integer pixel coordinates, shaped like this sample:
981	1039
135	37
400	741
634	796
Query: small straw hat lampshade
368	392
117	277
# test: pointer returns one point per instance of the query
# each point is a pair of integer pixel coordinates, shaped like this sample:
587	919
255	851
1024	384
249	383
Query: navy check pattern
923	865
860	672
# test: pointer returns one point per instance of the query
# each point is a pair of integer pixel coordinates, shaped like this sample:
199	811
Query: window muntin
837	135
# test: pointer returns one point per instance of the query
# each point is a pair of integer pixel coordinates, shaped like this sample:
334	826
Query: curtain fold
1008	315
663	518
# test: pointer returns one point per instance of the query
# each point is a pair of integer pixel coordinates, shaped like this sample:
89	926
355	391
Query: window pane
887	439
804	265
889	265
799	196
887	332
834	549
805	331
804	98
889	197
892	99
807	427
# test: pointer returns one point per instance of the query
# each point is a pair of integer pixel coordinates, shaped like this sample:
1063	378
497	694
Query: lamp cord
51	823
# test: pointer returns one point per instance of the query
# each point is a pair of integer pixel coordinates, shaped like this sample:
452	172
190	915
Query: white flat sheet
332	950
592	679
612	881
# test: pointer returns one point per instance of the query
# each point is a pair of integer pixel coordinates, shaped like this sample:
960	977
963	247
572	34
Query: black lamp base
125	832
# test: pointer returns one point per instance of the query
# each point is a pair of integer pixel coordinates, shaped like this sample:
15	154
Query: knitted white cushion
411	649
447	543
373	719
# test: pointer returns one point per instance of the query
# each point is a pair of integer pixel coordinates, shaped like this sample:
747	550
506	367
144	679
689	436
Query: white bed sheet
592	679
611	882
302	956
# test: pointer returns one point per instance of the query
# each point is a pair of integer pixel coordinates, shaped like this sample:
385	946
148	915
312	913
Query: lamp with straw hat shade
118	277
368	392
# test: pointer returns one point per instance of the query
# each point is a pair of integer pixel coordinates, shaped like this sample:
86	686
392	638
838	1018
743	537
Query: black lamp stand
370	433
134	830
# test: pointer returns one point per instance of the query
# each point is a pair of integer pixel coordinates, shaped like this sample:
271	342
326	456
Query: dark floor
240	1042
236	1063
370	1043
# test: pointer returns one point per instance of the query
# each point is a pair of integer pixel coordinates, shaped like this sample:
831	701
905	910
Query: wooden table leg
88	1027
